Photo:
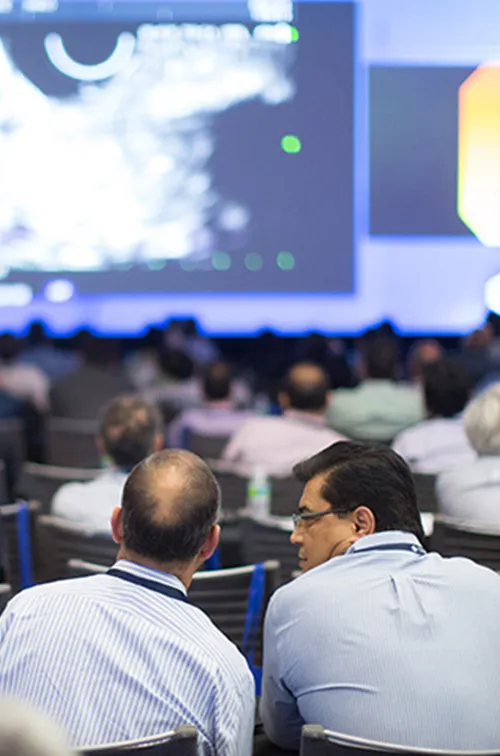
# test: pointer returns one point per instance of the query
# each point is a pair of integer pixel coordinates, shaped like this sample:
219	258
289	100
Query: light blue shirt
109	660
387	645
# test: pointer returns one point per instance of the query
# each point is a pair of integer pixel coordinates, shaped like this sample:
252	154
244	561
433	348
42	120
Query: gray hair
26	732
482	421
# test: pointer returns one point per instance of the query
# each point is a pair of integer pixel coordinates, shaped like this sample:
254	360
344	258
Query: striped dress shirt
109	660
386	644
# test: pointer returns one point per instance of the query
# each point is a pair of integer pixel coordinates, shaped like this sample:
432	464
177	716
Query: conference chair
285	496
17	534
425	487
449	541
179	742
316	741
5	595
71	443
234	486
266	538
41	482
205	446
12	437
4	496
60	540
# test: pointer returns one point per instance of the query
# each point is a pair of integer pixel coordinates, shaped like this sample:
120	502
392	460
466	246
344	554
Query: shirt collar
386	538
304	417
151	574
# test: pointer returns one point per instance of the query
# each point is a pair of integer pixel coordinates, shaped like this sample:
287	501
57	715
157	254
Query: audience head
447	387
359	490
176	364
37	335
96	351
10	348
482	421
216	382
481	339
380	359
423	352
305	388
129	431
26	732
169	512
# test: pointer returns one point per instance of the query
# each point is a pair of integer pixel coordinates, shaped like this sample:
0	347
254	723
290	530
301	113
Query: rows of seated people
377	638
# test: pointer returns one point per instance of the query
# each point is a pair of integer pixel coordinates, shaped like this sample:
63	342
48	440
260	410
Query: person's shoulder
41	598
69	493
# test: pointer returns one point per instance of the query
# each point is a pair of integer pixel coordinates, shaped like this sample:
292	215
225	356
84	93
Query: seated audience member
378	408
439	443
26	732
82	393
176	384
477	356
423	352
41	352
26	383
130	430
275	444
217	417
469	495
378	638
124	655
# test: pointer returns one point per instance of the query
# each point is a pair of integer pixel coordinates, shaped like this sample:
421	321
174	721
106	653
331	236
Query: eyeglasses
299	517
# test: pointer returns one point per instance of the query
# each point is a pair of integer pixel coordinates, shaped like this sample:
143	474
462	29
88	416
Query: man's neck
184	572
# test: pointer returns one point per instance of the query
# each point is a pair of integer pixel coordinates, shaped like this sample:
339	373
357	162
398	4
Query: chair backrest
207	447
4	495
71	443
18	543
60	540
425	487
12	437
5	595
179	742
233	486
41	482
264	538
285	495
450	541
319	742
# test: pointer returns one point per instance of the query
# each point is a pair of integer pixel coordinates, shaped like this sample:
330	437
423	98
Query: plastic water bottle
259	493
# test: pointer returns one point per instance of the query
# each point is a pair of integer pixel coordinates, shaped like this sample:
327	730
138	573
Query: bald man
276	444
124	655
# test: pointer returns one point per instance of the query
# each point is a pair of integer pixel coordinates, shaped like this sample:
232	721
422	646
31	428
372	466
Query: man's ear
211	543
158	443
283	400
117	525
364	521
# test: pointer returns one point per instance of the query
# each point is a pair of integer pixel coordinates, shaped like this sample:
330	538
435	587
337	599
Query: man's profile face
318	540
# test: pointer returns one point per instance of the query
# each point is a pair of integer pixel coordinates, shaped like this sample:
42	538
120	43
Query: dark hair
10	347
447	387
306	395
366	475
217	381
175	363
128	427
381	358
193	507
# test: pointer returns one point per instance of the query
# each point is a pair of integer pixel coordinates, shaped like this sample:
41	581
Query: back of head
306	388
128	430
26	732
381	358
217	382
176	364
447	387
365	475
37	335
170	503
96	351
482	421
422	353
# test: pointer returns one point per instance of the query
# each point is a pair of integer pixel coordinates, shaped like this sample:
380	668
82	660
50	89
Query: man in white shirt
124	655
439	443
217	417
130	430
379	639
469	495
275	444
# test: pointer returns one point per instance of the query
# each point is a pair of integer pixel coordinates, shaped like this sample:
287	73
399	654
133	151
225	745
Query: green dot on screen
156	264
291	144
253	261
294	34
221	261
187	264
286	261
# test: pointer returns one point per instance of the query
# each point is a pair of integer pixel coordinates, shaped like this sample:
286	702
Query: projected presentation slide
181	147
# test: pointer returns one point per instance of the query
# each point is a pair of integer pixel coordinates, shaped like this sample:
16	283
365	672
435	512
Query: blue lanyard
413	547
151	585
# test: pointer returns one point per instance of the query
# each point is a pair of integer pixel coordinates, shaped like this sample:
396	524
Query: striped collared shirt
110	660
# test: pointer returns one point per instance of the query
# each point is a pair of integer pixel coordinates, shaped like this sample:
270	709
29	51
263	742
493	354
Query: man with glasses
378	638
